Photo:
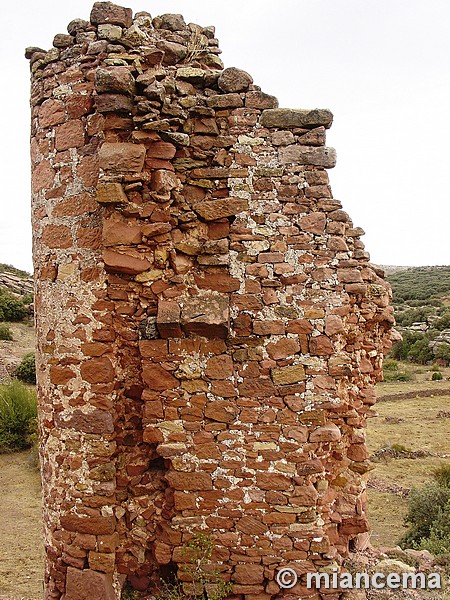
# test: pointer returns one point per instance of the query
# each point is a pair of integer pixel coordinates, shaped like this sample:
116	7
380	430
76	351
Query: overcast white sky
381	66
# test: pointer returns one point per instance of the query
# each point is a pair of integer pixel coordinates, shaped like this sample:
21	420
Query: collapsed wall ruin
209	325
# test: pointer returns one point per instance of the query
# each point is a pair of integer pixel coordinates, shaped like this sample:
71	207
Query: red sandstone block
95	525
87	584
124	157
61	375
106	12
98	370
219	367
157	378
269	327
70	135
96	421
74	206
271	257
219	282
248	574
223	411
153	348
283	348
57	236
52	112
125	263
168	319
320	345
273	481
100	561
189	482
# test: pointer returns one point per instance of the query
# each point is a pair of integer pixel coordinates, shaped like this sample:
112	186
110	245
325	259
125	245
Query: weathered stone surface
304	155
87	584
110	103
289	117
234	80
173	52
124	263
168	320
207	316
107	12
327	433
111	193
172	22
96	421
122	157
158	379
287	375
116	80
70	135
211	210
223	411
97	370
190	482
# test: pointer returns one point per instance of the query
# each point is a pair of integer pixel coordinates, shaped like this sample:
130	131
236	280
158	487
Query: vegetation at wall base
18	416
26	371
428	515
5	333
11	307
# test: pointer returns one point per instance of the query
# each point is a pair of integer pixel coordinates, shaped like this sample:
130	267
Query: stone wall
209	325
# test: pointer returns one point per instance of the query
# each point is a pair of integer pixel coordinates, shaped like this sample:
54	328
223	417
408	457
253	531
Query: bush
442	351
26	371
429	515
437	376
5	332
11	308
27	299
18	416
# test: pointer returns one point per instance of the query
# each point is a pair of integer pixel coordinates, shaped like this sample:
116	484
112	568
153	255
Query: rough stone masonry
209	325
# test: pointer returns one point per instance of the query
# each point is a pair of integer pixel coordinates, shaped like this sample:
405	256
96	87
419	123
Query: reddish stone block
157	378
61	375
98	370
313	223
168	319
320	345
95	525
87	584
107	12
257	388
118	232
101	561
223	411
219	367
273	481
57	236
206	315
96	421
79	105
52	112
189	482
122	157
283	348
211	210
218	282
125	263
74	206
70	135
43	176
248	574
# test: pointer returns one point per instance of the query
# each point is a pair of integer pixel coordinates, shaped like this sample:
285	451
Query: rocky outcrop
209	325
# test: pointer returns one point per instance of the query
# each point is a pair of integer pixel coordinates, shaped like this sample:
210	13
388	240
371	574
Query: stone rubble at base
209	325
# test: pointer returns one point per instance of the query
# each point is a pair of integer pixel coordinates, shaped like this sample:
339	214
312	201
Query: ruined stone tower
209	326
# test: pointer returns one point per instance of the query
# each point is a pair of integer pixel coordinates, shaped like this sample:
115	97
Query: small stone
106	103
206	315
288	375
305	155
211	210
111	193
234	80
289	117
85	584
168	319
223	411
191	74
327	433
260	101
172	22
122	157
107	12
112	33
114	79
225	101
124	263
282	138
62	40
77	25
70	135
173	52
156	378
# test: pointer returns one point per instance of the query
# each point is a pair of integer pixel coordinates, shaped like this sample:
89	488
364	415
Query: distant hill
421	298
15	281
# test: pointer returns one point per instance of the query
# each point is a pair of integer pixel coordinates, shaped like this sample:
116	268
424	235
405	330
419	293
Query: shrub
442	351
27	299
5	332
26	371
429	515
206	583
420	352
18	416
437	376
11	308
390	365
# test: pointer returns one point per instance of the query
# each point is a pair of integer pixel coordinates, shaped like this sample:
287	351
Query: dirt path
21	540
